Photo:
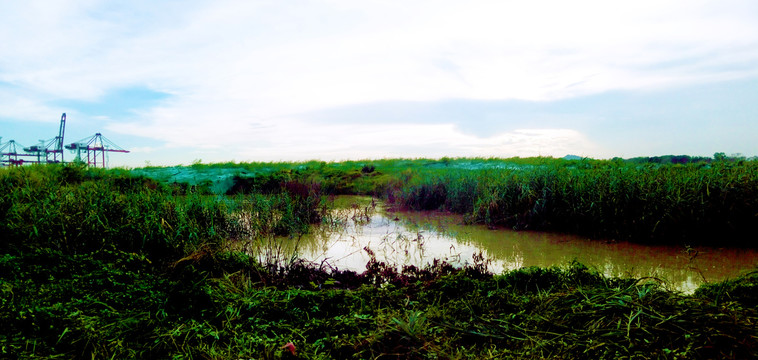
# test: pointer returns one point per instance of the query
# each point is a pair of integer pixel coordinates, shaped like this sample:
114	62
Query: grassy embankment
100	264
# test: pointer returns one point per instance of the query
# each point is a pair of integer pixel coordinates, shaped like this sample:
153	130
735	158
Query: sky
179	82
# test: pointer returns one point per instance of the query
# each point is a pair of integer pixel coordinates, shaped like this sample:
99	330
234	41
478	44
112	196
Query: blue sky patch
118	102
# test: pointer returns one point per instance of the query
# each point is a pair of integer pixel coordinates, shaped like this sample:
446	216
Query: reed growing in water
695	203
714	204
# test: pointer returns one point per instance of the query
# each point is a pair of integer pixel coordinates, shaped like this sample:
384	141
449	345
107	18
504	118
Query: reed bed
706	204
682	200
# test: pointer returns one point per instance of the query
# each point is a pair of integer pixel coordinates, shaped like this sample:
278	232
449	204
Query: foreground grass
112	304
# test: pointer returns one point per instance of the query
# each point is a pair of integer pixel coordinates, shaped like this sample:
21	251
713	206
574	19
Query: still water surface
419	237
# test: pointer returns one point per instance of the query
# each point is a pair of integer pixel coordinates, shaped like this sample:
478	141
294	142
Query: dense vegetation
698	202
682	204
105	264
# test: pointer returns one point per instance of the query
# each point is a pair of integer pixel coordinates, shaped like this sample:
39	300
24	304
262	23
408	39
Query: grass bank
113	304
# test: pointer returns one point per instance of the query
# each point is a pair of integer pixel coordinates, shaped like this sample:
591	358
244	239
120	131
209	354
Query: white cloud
291	139
236	69
24	105
144	149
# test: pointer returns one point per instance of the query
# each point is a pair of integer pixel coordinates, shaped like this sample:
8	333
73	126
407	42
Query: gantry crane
48	148
9	155
51	151
94	149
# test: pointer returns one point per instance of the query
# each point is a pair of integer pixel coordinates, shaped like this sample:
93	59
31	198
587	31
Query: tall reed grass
714	204
702	202
79	210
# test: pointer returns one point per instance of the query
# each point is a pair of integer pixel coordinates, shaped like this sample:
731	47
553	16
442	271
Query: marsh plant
667	199
674	204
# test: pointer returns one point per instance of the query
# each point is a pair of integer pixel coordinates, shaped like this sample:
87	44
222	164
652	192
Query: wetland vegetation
133	264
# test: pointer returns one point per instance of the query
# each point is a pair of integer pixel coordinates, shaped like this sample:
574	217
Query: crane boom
62	131
59	139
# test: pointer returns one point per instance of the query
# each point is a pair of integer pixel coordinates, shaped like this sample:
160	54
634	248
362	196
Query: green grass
103	264
79	210
118	305
696	203
712	204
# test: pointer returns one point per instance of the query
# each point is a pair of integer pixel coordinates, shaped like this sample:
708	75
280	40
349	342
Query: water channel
419	237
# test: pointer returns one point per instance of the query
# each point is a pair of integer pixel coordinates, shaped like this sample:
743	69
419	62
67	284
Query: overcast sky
180	81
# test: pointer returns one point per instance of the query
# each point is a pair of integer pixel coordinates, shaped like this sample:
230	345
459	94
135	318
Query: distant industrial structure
91	151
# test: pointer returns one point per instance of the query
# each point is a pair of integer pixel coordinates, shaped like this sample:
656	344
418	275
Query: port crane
9	154
94	149
48	148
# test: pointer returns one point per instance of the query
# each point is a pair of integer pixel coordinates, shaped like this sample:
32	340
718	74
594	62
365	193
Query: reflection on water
419	237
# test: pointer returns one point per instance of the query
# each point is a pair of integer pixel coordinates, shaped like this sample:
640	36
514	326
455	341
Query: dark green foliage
100	303
79	210
98	211
425	196
102	264
743	290
367	169
675	159
665	200
321	180
218	305
264	184
691	204
95	262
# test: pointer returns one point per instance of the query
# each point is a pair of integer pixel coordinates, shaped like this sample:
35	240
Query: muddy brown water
419	237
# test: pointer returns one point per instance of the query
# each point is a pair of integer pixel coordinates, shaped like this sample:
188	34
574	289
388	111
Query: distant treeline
684	159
